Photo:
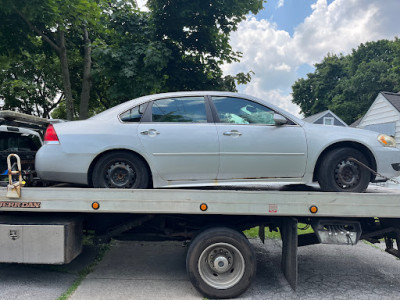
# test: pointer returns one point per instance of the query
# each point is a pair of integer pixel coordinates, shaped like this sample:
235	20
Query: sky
283	41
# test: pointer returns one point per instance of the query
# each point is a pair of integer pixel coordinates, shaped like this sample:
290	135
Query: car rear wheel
120	170
338	173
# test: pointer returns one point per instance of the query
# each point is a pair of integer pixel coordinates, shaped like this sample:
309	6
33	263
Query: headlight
386	140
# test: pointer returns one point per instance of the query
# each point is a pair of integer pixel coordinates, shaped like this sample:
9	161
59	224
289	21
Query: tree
128	60
53	21
348	85
197	36
137	55
30	83
109	52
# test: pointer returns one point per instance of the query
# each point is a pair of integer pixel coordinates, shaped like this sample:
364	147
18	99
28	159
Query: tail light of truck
50	137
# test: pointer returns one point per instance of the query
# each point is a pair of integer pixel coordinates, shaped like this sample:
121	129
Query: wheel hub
347	174
221	265
220	260
120	175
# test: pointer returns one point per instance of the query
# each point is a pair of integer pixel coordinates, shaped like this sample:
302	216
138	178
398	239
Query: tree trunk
86	80
65	77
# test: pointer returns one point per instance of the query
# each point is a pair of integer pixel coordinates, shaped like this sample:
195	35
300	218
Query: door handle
232	133
150	132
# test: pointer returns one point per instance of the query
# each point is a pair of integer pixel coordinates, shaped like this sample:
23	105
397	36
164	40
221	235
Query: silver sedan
190	139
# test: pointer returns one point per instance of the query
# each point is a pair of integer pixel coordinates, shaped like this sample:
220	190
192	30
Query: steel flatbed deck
49	218
376	202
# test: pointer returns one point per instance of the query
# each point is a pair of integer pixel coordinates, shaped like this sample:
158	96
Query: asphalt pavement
44	282
156	270
149	270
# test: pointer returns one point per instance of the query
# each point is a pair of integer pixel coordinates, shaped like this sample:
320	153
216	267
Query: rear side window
185	109
133	115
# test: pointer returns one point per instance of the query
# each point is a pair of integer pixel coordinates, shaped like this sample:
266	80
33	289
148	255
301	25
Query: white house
325	118
384	115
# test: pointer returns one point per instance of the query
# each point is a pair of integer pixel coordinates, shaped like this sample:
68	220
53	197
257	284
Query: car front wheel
339	172
120	170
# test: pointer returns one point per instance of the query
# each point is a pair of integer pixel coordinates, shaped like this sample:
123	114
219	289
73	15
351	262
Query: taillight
50	137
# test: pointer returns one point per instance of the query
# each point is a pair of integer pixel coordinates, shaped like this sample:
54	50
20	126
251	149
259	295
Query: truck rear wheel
221	263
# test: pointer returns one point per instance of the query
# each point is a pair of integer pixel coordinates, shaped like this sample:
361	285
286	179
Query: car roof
114	111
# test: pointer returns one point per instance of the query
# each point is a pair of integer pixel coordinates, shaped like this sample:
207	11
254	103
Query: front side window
242	111
185	109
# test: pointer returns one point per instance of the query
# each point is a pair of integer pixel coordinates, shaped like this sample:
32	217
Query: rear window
16	142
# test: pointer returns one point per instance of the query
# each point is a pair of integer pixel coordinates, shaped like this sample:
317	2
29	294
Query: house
325	118
355	124
384	115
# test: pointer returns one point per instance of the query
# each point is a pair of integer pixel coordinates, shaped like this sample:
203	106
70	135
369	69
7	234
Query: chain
372	171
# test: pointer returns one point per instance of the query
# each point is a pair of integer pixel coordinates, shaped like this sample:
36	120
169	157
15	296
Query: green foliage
197	35
252	233
271	234
348	85
128	60
31	81
59	25
178	45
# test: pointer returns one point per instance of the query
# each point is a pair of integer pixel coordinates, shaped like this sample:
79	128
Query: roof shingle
393	98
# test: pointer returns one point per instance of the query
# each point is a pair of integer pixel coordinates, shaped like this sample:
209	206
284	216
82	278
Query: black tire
337	173
221	263
120	170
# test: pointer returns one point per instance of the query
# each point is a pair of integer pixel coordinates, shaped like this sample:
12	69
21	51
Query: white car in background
189	139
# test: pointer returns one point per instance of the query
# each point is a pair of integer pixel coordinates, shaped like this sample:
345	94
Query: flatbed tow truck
45	225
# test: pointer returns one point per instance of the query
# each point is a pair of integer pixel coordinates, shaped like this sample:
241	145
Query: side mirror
279	120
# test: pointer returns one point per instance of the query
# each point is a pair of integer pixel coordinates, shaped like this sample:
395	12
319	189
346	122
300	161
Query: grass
269	234
102	249
373	245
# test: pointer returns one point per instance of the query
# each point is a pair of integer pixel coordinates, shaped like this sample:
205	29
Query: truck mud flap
289	264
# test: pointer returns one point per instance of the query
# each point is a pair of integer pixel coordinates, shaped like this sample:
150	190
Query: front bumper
396	167
387	161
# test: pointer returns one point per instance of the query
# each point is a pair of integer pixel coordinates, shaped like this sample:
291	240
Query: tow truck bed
377	202
46	223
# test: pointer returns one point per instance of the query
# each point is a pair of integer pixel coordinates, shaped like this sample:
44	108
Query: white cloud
265	51
336	28
280	3
275	56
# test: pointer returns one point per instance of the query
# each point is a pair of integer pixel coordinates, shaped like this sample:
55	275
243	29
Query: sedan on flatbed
190	139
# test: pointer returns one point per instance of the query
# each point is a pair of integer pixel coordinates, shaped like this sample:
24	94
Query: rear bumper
53	164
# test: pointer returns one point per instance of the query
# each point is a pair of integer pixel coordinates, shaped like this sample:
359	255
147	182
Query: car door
180	139
252	146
